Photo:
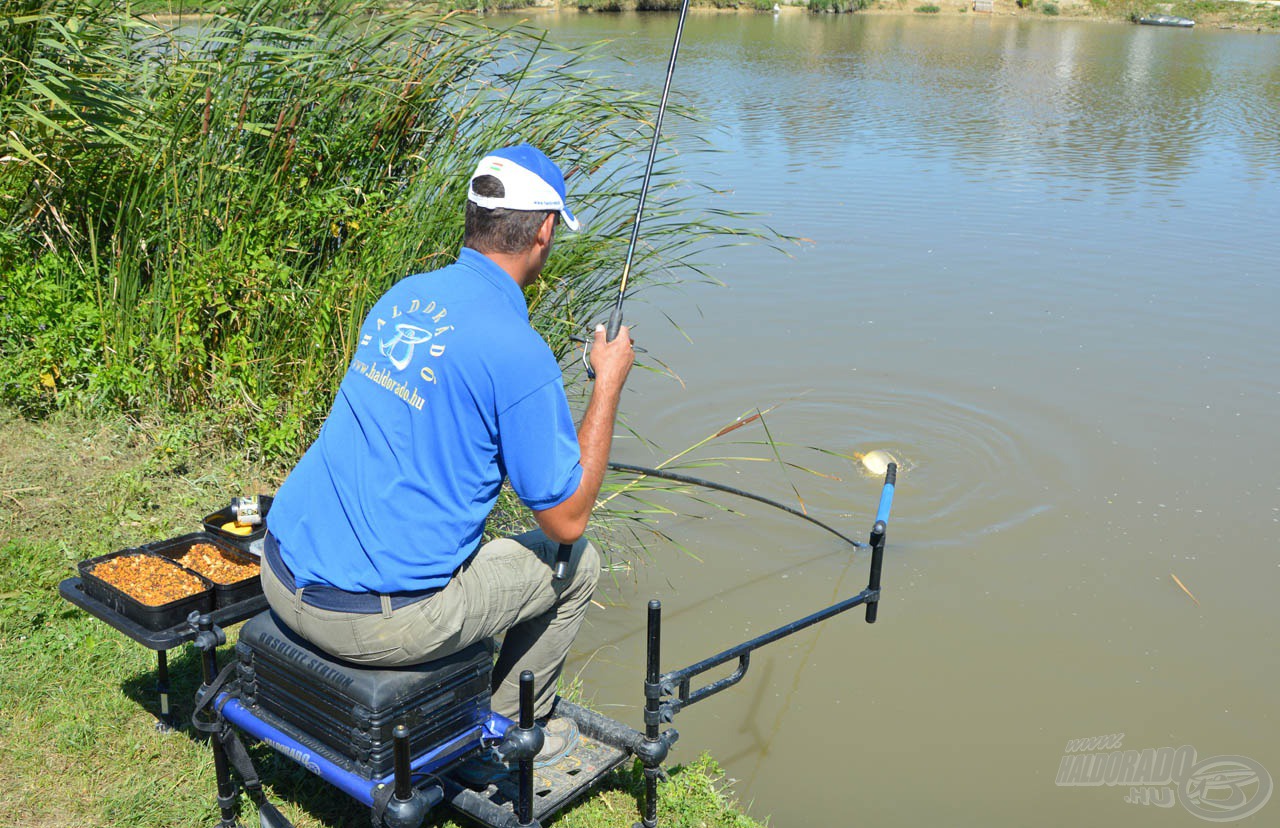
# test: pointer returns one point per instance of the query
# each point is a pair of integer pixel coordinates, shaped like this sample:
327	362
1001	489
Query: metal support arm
678	681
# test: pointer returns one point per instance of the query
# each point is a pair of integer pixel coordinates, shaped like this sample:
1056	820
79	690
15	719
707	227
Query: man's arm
565	523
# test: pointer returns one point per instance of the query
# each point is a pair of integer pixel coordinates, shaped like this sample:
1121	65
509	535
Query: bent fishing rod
663	474
615	321
615	316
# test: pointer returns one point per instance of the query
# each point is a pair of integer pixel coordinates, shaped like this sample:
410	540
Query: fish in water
876	462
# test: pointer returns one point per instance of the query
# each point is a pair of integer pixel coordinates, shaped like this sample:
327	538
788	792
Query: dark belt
322	596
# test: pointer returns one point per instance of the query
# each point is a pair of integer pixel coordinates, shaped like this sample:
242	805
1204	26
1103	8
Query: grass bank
77	741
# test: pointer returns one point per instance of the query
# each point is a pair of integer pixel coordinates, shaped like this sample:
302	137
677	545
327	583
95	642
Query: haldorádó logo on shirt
407	336
400	344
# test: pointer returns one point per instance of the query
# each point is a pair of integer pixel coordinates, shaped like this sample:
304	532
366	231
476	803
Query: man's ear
547	229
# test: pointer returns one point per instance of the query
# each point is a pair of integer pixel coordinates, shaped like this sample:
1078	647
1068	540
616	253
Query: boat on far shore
1166	20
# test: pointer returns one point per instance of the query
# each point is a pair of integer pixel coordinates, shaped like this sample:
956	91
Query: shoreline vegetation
190	234
1244	15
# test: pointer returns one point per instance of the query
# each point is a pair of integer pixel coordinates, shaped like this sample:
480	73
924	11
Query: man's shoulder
519	351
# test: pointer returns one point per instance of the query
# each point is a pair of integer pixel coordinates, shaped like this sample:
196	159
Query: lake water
1042	269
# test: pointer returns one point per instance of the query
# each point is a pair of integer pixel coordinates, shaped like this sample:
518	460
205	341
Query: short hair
498	229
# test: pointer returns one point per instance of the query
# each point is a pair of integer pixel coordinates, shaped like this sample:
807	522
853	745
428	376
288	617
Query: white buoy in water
876	462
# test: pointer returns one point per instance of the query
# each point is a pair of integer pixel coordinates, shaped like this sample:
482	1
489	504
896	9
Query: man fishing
374	552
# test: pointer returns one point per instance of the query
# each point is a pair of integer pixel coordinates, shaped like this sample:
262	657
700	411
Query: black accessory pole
403	775
615	317
208	637
524	803
656	745
652	698
165	722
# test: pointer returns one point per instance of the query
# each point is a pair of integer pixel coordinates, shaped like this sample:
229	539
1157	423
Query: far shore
1240	15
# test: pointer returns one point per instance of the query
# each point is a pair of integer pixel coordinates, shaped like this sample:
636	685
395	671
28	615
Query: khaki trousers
506	587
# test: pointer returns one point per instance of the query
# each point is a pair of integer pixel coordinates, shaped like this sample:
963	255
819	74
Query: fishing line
720	487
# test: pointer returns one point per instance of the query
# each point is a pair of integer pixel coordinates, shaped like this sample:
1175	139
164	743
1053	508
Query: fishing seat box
347	712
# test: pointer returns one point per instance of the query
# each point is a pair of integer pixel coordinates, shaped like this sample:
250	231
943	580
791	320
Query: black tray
150	617
213	525
72	590
224	595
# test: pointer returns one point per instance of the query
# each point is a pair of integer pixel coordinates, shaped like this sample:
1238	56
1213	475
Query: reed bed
195	219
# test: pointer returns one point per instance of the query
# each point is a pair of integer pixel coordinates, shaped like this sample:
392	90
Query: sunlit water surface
1041	268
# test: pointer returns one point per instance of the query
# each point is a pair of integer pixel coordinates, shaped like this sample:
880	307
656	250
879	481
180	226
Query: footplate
554	786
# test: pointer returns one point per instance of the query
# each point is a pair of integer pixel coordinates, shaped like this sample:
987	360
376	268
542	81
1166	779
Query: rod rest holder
521	743
209	636
653	753
411	812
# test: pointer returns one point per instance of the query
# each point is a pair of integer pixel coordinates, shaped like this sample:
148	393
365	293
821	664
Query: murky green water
1043	269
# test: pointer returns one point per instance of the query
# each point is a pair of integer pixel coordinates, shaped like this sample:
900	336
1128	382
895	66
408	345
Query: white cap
530	181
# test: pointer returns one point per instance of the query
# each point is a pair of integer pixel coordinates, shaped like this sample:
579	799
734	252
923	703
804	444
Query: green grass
930	9
77	737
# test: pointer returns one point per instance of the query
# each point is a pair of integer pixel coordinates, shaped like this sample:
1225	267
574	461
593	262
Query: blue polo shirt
449	392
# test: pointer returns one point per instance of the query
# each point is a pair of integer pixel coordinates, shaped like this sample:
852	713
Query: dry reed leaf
1183	587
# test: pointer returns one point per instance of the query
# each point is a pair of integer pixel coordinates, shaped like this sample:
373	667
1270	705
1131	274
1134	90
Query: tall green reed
200	216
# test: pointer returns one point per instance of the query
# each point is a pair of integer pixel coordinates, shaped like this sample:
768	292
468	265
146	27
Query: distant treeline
169	7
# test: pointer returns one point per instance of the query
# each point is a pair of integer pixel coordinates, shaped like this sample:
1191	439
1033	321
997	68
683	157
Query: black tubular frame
678	683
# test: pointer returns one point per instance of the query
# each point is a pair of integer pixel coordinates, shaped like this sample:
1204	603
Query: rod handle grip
615	323
562	562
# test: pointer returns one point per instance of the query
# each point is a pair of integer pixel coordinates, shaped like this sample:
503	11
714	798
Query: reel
587	342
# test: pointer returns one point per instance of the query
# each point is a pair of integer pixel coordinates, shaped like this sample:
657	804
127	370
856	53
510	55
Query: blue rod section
353	785
886	503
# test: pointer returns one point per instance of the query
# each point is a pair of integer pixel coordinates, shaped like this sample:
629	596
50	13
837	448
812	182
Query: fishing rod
614	324
720	487
615	316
